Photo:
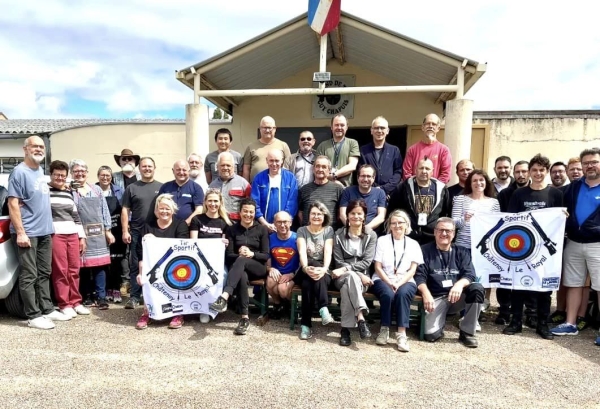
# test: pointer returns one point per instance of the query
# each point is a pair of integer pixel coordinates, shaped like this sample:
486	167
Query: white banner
520	251
181	276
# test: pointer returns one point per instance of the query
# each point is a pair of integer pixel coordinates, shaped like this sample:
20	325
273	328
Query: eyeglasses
104	176
79	172
59	176
282	222
379	128
306	139
444	231
590	163
398	223
316	215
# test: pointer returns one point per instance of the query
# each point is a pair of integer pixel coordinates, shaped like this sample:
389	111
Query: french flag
324	15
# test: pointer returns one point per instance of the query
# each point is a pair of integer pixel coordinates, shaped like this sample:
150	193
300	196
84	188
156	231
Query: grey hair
194	154
224	155
401	214
104	167
323	209
77	162
445	220
325	158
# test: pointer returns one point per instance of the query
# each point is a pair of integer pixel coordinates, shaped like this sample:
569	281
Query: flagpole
323	59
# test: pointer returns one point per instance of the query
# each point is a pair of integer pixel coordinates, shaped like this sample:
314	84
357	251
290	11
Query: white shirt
385	251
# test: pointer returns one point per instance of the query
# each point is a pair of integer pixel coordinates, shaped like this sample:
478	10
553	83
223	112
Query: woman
478	196
393	283
353	252
315	247
211	224
118	272
164	226
246	256
68	243
97	224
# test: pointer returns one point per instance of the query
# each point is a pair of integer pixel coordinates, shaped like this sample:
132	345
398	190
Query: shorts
579	260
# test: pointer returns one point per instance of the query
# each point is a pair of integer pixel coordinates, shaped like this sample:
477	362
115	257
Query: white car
9	271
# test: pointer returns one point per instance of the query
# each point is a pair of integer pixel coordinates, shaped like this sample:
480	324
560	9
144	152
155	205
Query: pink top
439	155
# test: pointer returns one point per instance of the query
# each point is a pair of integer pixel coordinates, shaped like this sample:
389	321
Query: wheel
14	304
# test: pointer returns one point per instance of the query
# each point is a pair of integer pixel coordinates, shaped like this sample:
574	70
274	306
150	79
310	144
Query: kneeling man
446	283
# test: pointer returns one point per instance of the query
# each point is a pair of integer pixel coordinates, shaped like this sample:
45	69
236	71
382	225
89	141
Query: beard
128	168
194	173
37	158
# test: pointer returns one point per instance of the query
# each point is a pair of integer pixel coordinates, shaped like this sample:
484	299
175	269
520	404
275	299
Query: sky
117	58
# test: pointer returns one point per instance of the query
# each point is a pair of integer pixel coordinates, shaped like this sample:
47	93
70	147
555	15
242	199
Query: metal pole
460	83
323	59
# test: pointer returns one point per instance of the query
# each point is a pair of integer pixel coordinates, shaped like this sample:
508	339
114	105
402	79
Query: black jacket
256	238
505	195
431	274
589	231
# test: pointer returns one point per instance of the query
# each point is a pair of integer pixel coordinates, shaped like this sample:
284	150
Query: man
446	281
538	195
138	199
301	162
463	170
255	156
582	249
274	190
31	229
521	173
558	174
385	158
430	147
373	197
234	188
223	139
321	189
128	162
195	162
574	169
425	199
283	263
502	170
342	152
186	193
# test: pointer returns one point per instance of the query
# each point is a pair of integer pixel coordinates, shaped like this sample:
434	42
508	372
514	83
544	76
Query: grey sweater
344	256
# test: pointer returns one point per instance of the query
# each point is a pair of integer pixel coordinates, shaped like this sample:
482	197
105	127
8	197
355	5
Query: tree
225	115
217	113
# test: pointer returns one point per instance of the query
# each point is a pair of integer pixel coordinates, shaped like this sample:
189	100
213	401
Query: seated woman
353	252
246	256
393	283
211	224
164	226
315	247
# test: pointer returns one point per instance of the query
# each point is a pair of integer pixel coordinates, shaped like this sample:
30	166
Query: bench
417	314
263	304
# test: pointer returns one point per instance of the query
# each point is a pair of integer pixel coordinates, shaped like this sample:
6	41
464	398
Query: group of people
298	219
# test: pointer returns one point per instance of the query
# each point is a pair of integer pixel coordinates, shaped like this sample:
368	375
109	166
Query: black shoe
220	306
531	322
502	320
345	340
558	317
102	304
363	330
543	331
275	313
468	340
132	304
242	327
515	327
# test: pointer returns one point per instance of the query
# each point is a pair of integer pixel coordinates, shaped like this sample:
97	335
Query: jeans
398	302
98	276
134	268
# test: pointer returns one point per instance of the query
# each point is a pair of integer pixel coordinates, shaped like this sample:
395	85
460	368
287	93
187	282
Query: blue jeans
398	302
134	268
98	276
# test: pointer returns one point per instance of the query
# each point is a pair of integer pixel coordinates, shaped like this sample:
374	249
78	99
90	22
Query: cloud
61	56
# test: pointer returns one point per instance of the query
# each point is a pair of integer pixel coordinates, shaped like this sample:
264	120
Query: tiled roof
33	126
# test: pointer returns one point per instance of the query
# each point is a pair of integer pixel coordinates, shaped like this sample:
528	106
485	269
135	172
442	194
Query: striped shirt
463	204
65	217
329	194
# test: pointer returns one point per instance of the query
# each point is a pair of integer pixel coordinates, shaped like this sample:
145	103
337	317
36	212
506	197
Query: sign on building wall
327	106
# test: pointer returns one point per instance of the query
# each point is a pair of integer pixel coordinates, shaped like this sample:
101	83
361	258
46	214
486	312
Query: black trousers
241	272
530	300
543	301
312	290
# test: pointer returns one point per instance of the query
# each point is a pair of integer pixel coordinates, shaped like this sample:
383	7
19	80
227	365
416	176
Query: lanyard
444	263
397	265
336	151
305	159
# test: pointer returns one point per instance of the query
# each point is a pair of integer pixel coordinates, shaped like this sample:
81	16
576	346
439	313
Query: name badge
422	220
447	283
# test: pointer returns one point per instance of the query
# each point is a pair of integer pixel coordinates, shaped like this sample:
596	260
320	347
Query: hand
242	250
126	238
138	278
285	278
393	285
468	216
366	280
428	302
23	240
110	239
274	274
225	241
189	220
272	228
566	213
82	246
455	294
338	272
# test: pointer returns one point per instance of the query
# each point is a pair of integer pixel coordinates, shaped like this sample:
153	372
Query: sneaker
363	330
582	323
565	329
176	322
305	332
326	317
57	316
132	304
502	320
345	339
384	336
109	296
103	304
220	305
486	305
89	302
597	340
515	327
402	342
543	331
558	317
40	323
468	340
125	287
117	297
242	326
531	322
204	318
143	321
81	310
69	312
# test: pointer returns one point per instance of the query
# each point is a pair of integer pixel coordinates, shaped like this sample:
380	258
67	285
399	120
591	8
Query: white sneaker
40	323
81	310
57	316
69	312
204	318
402	342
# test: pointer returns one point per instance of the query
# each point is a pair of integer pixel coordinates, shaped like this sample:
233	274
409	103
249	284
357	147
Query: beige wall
559	138
12	148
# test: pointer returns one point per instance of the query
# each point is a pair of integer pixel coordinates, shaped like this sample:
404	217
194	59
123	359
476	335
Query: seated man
446	283
283	263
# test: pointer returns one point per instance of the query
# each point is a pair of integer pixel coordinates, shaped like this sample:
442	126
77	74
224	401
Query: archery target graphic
181	273
515	243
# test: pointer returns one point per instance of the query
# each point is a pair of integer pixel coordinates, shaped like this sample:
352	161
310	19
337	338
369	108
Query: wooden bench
263	304
417	314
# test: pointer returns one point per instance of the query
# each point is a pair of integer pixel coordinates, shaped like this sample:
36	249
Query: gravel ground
103	361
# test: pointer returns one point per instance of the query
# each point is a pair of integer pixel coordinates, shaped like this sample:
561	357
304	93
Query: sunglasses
127	159
306	139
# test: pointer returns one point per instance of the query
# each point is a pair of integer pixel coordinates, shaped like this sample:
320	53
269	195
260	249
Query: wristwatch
334	176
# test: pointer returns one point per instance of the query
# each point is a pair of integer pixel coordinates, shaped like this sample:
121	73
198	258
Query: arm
379	219
349	168
301	244
15	218
368	254
291	205
262	254
410	273
256	196
445	165
246	172
457	211
407	166
343	203
396	175
381	274
208	176
421	280
327	253
125	225
230	254
342	215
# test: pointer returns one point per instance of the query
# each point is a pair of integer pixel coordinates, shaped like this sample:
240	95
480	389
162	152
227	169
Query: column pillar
197	132
457	131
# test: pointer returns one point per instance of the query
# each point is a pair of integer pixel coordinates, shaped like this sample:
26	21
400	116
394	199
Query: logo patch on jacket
283	255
